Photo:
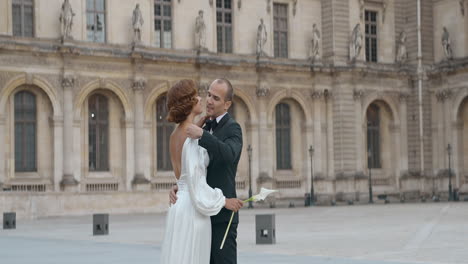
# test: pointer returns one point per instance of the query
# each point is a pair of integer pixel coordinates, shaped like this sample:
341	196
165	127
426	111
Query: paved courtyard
357	234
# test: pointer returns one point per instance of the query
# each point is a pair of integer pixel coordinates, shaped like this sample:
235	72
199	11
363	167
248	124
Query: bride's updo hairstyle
181	99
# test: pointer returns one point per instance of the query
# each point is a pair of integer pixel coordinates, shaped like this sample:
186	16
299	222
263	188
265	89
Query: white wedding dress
187	238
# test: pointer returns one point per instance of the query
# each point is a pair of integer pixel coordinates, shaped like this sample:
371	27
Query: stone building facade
82	117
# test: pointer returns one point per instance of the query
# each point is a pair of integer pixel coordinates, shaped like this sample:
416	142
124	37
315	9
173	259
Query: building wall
328	98
447	14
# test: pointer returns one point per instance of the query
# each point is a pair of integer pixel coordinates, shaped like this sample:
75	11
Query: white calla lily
262	195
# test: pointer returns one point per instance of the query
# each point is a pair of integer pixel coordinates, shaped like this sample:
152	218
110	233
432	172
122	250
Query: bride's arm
202	121
208	201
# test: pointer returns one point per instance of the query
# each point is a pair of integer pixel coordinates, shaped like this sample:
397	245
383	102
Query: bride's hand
194	131
202	120
233	204
173	194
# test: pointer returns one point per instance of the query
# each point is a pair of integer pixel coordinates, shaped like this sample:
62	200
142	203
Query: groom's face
216	103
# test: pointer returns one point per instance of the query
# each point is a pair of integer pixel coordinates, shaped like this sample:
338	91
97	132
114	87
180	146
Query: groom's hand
173	194
233	204
194	131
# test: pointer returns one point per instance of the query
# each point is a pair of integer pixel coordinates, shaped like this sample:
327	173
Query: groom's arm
227	150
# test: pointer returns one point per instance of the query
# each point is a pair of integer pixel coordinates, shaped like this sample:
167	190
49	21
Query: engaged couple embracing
204	157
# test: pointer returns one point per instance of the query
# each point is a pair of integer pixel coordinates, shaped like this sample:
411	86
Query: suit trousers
227	255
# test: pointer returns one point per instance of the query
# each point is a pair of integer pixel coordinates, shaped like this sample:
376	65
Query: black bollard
100	224
9	220
265	229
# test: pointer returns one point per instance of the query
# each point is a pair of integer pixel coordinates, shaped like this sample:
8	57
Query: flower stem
230	221
227	230
248	200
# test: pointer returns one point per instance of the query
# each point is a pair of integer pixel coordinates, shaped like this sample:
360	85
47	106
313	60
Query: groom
222	138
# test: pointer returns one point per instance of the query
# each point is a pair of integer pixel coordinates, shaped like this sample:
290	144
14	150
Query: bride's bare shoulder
176	140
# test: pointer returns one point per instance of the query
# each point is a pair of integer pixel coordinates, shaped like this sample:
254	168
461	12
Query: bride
187	237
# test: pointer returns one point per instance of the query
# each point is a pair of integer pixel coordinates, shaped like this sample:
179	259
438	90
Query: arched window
25	131
98	122
283	137
163	131
373	136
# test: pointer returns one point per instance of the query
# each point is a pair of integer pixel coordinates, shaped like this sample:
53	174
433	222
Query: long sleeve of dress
208	201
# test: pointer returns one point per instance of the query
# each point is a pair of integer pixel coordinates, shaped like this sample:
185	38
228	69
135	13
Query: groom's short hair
230	89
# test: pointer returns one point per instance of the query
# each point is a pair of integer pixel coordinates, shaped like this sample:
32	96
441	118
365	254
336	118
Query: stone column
265	173
68	183
130	153
439	138
437	133
403	135
442	115
317	97
457	152
330	167
58	151
78	160
395	151
139	182
147	148
2	150
449	127
447	131
308	139
358	96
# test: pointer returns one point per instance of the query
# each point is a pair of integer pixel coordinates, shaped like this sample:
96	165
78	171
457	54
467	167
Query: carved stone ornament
443	95
355	43
137	23
68	82
358	94
200	32
401	54
139	85
314	53
316	94
66	20
320	94
261	39
203	89
263	89
403	96
446	44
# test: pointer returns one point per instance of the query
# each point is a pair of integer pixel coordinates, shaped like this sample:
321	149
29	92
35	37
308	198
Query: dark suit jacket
224	147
